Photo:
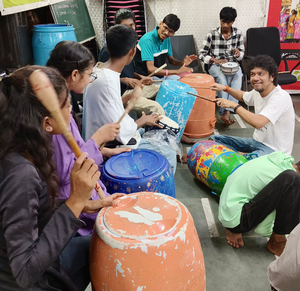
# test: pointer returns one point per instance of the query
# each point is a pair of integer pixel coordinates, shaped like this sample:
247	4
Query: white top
284	273
102	104
278	134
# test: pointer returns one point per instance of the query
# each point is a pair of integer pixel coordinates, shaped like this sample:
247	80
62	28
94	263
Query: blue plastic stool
136	171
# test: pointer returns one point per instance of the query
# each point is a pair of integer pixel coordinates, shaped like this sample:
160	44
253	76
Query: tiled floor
227	269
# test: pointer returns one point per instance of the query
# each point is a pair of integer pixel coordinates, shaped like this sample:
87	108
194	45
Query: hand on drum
218	61
224	103
106	133
217	87
151	119
188	59
84	177
93	206
184	69
146	80
107	152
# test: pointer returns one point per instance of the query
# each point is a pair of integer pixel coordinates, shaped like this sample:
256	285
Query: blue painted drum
178	105
46	36
136	171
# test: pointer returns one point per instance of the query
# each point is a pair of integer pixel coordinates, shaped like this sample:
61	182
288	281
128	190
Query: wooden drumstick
157	70
210	100
46	94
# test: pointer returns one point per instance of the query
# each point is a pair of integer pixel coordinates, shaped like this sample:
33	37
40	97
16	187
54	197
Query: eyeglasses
169	31
92	76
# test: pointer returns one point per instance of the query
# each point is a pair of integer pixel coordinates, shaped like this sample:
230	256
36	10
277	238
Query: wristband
167	73
236	107
227	88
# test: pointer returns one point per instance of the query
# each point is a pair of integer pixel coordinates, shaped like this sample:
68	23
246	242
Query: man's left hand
188	59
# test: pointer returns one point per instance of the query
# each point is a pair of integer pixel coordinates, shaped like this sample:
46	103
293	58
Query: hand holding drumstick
46	94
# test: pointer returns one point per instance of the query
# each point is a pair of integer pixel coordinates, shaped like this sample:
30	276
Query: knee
290	177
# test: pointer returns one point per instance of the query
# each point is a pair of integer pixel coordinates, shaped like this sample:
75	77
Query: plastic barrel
173	97
138	170
46	36
212	163
202	120
147	242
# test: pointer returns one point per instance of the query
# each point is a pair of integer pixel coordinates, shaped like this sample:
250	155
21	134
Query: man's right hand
218	61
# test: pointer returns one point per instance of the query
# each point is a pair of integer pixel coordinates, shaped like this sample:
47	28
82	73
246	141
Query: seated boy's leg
150	91
238	144
148	106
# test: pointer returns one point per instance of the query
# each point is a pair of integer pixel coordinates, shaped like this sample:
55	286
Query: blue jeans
243	144
75	260
233	81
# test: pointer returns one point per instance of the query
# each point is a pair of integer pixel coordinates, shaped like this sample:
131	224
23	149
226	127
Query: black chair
266	41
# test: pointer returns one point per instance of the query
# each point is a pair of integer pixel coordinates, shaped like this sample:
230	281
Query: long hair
68	56
21	118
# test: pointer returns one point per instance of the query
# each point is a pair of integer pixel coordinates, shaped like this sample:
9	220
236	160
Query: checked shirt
216	46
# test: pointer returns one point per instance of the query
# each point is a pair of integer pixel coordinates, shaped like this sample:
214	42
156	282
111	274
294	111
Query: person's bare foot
226	118
234	239
183	159
276	244
187	140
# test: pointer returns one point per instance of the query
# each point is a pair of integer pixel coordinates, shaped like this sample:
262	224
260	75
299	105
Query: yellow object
13	3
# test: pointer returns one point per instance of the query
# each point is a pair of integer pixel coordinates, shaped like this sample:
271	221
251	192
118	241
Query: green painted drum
212	163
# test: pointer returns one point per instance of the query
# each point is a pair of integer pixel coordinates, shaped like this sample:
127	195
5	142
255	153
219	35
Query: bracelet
227	88
236	107
167	73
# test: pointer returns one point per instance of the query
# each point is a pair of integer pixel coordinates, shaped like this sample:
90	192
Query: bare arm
255	120
237	94
151	68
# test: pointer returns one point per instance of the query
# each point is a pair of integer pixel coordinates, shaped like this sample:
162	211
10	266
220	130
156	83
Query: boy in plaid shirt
221	45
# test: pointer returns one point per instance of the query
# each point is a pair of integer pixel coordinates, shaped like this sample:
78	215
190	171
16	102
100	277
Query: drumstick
201	87
215	100
126	111
157	70
154	81
46	94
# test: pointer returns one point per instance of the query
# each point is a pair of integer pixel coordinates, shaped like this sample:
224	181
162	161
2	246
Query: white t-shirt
284	273
278	134
102	104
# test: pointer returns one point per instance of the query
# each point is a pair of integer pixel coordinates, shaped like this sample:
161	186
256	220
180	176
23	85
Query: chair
266	41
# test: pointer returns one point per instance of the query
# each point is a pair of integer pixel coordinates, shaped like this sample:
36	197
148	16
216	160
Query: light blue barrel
46	36
178	105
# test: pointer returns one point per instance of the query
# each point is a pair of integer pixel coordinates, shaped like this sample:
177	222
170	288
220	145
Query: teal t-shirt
246	182
151	48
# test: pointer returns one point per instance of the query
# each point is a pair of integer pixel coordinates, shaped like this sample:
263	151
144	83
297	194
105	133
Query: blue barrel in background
46	36
138	170
178	105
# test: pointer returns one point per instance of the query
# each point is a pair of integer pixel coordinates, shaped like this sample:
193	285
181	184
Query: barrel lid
53	27
137	164
192	79
143	216
176	86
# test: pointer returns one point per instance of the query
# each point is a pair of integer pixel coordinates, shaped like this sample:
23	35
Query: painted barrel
138	170
202	120
173	97
147	242
212	163
46	36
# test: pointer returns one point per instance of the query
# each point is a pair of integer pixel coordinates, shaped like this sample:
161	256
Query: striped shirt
215	45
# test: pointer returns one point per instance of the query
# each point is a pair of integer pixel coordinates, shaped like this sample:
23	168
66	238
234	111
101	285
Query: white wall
197	16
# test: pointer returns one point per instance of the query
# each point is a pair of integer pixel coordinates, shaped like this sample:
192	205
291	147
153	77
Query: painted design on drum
212	163
152	228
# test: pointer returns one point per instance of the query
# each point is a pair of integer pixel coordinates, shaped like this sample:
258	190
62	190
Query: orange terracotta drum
202	120
147	242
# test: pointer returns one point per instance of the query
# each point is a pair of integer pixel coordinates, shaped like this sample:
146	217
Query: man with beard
273	117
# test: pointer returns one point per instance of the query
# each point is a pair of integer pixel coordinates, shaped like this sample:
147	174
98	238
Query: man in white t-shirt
273	117
102	101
